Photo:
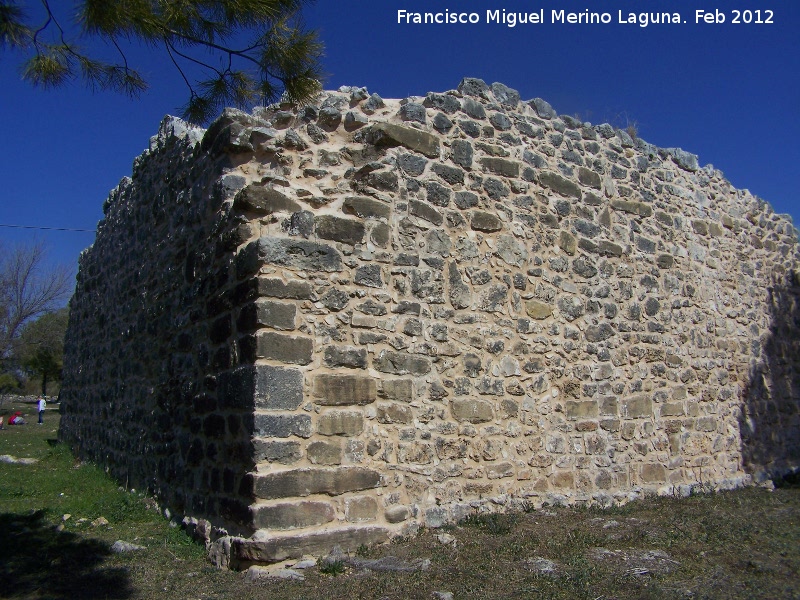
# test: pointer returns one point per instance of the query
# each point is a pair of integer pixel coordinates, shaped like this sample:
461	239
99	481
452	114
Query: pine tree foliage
228	52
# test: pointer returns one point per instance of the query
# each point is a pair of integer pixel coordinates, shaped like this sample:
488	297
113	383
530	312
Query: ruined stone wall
330	324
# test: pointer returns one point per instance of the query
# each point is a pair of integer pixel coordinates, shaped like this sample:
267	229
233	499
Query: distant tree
29	288
40	347
247	50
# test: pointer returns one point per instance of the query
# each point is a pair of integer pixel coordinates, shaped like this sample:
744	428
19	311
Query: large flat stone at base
282	547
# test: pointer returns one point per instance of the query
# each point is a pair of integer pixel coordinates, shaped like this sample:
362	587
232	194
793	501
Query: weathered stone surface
278	451
462	153
589	178
340	422
388	134
279	548
558	184
395	413
366	207
397	389
634	208
345	356
347	231
567	242
296	483
581	409
264	199
301	254
473	411
323	452
360	508
266	313
484	221
284	348
637	407
599	333
425	211
400	363
501	166
459	293
665	261
543	109
397	514
344	390
300	290
282	425
369	275
450	175
292	515
536	309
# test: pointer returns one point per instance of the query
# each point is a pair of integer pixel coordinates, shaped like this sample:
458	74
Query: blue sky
727	92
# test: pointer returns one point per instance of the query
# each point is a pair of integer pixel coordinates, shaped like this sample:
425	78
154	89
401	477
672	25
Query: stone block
397	389
599	333
675	409
360	508
340	422
589	178
366	208
395	413
486	222
653	473
462	153
637	407
567	242
278	451
284	348
473	411
400	363
450	175
297	483
706	424
536	309
631	207
324	453
277	288
396	514
281	425
283	547
346	231
344	390
664	261
423	210
501	166
391	135
298	254
266	313
277	387
606	248
369	275
345	356
499	470
582	409
559	184
291	515
264	199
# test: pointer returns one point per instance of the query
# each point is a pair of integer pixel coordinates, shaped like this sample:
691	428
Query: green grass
742	544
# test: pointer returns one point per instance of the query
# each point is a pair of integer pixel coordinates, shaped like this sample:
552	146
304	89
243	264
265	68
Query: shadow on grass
36	560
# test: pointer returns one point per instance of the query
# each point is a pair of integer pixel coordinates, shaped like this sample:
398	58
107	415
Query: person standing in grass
42	405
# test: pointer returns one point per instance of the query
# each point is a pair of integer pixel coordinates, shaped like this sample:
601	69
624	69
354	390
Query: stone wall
331	324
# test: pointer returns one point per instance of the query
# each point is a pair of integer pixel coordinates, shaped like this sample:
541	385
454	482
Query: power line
46	228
